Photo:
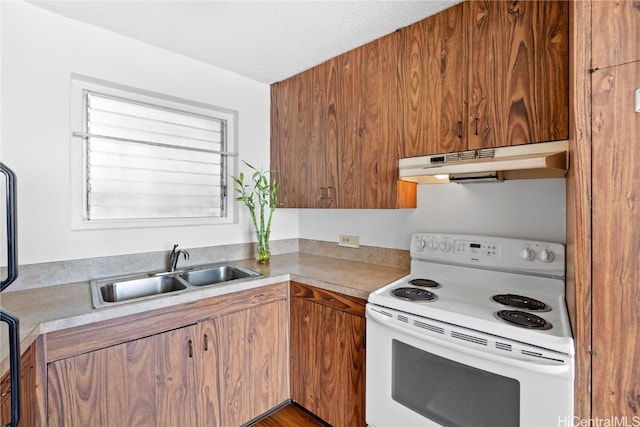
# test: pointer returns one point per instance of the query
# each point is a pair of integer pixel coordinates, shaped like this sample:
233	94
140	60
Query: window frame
79	85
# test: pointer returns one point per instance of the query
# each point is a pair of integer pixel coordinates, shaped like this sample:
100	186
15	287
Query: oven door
421	372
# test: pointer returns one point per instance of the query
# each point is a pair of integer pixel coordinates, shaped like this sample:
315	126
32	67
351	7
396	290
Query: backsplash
33	276
369	254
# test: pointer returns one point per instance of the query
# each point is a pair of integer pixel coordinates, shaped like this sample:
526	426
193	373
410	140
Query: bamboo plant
259	196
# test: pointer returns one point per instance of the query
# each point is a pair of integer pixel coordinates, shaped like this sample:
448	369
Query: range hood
529	161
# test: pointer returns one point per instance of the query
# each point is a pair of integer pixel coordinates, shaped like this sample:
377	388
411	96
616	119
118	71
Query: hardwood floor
290	415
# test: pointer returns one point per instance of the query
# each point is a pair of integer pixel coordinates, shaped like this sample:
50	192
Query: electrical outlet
349	241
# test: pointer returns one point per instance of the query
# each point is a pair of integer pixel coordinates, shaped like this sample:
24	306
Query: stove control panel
492	252
477	248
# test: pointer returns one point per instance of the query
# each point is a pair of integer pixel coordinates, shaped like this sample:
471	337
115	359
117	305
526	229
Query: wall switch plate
349	241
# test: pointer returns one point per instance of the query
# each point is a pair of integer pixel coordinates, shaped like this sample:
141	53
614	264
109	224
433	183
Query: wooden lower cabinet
149	381
220	371
229	360
252	353
27	392
328	355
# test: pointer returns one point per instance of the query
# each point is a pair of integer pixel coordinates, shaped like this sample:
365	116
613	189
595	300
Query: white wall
39	52
529	209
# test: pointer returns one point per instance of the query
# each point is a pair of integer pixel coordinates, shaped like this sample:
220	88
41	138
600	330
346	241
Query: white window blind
146	161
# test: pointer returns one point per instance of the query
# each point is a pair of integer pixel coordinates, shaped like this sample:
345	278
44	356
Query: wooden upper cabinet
304	137
616	24
518	72
485	74
290	103
333	137
432	84
366	111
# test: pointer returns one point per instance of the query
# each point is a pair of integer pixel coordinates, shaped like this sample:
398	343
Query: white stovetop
466	301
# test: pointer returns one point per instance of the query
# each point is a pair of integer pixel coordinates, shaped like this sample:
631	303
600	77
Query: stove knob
546	255
420	243
445	246
528	254
432	245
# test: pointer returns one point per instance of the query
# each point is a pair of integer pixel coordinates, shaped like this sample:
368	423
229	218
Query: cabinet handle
460	129
190	348
206	342
329	192
477	125
321	193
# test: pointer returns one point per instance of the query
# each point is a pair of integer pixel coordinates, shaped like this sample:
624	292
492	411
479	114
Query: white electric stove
488	305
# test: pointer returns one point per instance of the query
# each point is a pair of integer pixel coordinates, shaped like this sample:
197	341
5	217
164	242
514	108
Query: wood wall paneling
602	218
619	21
578	282
616	238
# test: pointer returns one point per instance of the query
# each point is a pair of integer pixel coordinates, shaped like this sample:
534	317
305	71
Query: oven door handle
544	366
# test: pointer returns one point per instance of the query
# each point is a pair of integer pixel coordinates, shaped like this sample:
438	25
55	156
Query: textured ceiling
267	41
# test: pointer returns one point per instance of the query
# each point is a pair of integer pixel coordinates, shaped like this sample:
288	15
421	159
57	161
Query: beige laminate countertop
54	308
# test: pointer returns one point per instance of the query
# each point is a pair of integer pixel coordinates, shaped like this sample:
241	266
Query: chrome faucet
175	254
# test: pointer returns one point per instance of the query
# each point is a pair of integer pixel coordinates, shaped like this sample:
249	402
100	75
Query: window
147	159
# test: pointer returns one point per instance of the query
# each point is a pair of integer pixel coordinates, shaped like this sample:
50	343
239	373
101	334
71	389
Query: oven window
450	393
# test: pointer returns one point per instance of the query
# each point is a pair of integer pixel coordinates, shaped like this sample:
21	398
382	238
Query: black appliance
12	273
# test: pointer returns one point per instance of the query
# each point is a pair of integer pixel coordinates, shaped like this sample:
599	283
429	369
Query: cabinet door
290	138
432	79
176	360
139	383
616	241
252	353
368	145
207	376
303	138
27	391
518	72
328	355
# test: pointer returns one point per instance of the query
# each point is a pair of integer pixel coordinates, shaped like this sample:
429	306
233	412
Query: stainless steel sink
217	274
124	289
139	288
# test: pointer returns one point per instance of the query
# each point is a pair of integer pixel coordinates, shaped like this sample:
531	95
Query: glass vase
263	254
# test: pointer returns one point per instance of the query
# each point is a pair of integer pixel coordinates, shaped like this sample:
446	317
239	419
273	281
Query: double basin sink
119	290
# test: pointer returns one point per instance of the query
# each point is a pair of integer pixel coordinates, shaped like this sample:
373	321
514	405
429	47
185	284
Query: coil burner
518	301
524	319
425	283
414	294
